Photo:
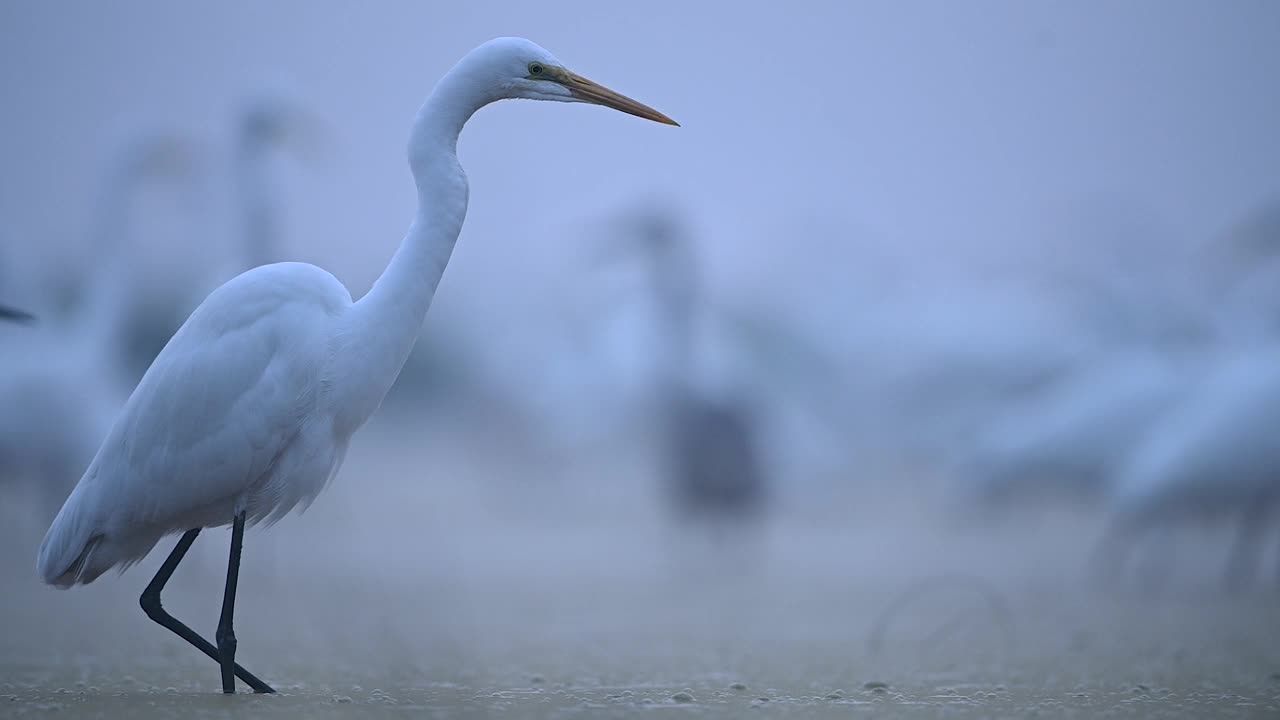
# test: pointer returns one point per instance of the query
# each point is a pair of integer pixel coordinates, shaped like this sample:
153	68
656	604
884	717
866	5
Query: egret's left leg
226	634
152	606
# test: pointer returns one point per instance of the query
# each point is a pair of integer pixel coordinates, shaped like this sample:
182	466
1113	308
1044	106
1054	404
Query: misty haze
929	367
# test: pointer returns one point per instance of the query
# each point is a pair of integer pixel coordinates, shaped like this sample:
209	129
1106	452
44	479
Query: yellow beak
597	94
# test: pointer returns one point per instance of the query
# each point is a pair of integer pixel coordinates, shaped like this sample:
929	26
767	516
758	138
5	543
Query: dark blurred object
710	449
15	315
712	459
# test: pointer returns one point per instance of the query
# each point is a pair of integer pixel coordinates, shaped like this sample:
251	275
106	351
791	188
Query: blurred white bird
1068	443
1215	457
931	372
710	449
248	411
269	122
265	124
61	384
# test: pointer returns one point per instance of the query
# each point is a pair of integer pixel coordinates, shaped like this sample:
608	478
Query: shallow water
448	589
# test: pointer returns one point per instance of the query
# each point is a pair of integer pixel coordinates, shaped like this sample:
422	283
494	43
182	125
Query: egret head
519	69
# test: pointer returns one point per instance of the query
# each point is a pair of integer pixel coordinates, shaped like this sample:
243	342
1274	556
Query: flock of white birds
1161	411
1164	418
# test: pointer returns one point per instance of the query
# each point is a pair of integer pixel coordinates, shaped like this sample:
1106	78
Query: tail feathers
71	549
81	570
64	565
76	551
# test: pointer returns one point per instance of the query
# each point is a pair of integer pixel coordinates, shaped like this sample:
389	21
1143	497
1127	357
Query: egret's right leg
226	636
150	602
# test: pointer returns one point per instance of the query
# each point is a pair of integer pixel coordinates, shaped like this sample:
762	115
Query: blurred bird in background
266	124
1213	459
710	455
62	383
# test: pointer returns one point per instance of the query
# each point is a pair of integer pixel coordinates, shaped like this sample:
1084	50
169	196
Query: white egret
248	411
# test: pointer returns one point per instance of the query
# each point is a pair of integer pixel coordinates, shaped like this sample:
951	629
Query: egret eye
535	68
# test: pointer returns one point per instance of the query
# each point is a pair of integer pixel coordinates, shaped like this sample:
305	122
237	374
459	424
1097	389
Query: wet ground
470	589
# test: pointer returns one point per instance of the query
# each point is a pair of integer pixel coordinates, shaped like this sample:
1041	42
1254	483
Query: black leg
226	633
150	602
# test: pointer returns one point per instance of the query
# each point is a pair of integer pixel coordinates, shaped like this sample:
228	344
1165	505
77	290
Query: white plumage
240	411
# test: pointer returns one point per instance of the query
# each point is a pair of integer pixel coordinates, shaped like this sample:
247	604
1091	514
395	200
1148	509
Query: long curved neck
385	323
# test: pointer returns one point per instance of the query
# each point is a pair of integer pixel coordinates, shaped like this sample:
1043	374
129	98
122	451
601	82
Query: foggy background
936	250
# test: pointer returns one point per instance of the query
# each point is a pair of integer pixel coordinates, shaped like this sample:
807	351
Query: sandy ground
469	585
